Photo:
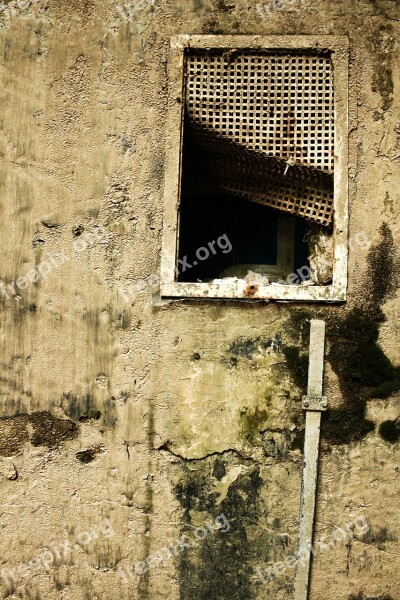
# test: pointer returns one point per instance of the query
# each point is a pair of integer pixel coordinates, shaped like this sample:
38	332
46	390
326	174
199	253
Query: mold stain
251	422
248	348
378	537
80	408
390	431
363	369
220	565
87	456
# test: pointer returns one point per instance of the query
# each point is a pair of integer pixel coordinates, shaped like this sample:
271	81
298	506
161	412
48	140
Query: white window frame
170	287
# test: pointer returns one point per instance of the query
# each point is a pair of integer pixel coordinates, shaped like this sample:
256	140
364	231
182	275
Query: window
256	168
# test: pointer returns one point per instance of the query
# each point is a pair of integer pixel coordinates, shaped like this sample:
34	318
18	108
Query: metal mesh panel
267	119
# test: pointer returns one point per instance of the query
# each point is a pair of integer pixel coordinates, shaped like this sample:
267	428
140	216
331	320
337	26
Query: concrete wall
128	423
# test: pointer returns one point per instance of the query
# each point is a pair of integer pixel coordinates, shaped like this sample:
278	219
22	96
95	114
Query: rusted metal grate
267	121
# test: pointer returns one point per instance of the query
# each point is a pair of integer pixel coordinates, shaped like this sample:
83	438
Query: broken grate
268	121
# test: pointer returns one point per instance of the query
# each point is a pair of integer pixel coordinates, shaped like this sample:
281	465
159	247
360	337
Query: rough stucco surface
160	416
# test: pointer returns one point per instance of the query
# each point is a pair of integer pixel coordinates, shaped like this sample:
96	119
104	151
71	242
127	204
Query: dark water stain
224	6
91	317
378	537
278	443
212	25
219	566
297	362
382	8
363	369
157	170
382	42
298	440
251	421
80	408
390	431
110	412
247	348
123	320
92	415
86	408
99	337
40	429
87	456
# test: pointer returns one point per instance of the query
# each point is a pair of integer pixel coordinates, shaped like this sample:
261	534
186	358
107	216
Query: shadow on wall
363	369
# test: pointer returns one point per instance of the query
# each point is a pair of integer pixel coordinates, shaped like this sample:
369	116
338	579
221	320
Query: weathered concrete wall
127	424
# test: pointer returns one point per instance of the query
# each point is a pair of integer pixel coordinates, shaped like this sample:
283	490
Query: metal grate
267	120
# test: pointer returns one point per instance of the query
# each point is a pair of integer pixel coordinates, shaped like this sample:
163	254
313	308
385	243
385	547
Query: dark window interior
207	213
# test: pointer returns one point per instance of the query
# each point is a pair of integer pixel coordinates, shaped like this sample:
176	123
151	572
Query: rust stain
250	290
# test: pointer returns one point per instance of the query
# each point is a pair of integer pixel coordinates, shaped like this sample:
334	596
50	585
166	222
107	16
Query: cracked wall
160	416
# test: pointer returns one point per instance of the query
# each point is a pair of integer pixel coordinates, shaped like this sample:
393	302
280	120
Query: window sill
242	290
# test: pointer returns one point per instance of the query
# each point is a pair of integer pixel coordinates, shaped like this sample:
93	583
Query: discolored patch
378	537
40	428
224	6
248	348
251	421
88	456
80	408
382	42
390	431
220	565
297	363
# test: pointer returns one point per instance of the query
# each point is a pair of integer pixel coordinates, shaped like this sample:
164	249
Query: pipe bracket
319	403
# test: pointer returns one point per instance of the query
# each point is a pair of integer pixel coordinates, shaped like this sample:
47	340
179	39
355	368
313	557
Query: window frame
338	46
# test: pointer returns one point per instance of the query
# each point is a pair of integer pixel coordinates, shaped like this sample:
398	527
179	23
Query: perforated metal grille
307	194
269	120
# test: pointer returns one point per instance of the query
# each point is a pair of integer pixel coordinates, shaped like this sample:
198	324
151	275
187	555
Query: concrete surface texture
153	449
